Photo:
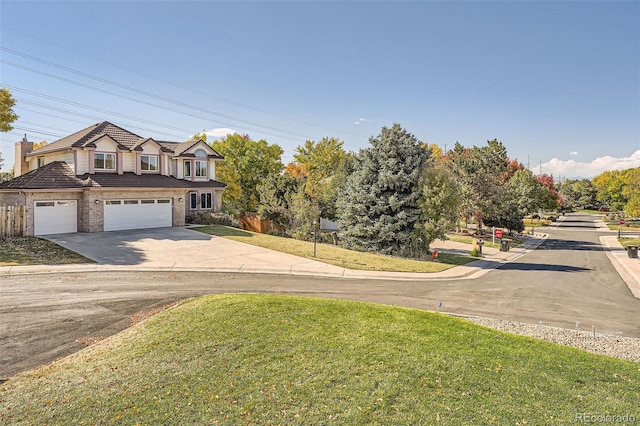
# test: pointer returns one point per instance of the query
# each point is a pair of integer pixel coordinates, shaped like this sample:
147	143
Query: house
106	178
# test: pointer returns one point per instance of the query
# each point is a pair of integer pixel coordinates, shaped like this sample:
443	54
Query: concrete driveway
182	248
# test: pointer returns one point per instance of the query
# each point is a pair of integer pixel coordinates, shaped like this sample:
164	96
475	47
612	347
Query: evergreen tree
379	209
277	194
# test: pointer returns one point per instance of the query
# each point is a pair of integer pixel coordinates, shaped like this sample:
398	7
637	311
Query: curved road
567	282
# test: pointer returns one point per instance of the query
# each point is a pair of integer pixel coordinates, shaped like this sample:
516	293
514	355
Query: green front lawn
36	251
256	359
629	242
335	255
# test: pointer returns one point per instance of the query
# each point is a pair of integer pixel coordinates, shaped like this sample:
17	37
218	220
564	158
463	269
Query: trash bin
504	245
632	252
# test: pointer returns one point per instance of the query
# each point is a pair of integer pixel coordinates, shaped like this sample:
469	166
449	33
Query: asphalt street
567	282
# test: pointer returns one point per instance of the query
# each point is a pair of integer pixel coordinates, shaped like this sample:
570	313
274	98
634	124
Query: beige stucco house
106	178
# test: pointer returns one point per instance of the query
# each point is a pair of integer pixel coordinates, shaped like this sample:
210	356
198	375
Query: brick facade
90	204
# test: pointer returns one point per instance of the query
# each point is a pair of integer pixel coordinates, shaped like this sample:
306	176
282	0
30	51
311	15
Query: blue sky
557	82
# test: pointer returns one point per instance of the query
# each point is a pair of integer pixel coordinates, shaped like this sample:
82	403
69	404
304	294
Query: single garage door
55	217
137	214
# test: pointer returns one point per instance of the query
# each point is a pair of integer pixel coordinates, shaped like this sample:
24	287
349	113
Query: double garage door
137	214
61	216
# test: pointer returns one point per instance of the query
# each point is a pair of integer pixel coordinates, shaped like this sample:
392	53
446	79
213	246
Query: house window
201	168
149	163
104	161
193	200
205	200
187	168
40	162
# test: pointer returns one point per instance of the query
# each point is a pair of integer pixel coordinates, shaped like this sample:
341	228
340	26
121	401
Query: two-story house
106	178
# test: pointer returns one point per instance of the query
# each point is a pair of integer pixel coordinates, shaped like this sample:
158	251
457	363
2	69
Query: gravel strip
605	344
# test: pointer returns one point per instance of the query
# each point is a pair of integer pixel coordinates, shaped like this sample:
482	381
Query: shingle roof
124	138
182	147
89	135
58	175
55	175
132	180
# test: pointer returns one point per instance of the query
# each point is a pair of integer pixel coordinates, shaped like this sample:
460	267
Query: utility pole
445	149
528	162
540	168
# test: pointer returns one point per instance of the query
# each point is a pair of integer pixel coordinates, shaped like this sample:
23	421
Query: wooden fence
255	223
13	221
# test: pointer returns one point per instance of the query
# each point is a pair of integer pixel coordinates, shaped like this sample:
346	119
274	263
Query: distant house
106	178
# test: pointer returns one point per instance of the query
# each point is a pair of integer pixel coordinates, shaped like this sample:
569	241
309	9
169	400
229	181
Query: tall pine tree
379	210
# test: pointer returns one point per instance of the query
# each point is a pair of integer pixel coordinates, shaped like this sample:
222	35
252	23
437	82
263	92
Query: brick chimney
22	148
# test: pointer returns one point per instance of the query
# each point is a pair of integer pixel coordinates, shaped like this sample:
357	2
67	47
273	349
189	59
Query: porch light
97	201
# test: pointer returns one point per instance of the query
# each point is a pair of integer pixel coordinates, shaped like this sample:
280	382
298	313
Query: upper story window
149	163
40	162
187	168
104	161
200	153
201	168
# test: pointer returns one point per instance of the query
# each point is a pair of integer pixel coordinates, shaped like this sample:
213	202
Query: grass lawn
629	241
36	251
467	239
335	255
269	359
536	223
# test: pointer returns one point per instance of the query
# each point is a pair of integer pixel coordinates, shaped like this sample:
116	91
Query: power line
138	91
153	104
173	83
137	127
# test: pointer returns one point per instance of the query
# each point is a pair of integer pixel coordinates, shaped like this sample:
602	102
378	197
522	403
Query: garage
137	214
55	217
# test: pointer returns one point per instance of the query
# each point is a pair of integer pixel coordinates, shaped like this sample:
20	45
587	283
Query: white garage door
55	217
137	214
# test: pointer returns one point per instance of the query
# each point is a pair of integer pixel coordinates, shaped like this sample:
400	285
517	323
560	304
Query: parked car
603	209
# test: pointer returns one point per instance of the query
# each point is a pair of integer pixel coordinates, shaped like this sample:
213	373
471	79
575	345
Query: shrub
212	218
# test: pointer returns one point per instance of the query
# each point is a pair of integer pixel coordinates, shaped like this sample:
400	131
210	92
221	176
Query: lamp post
315	233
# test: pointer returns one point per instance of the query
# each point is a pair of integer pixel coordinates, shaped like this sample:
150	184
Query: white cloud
220	132
361	120
578	169
573	153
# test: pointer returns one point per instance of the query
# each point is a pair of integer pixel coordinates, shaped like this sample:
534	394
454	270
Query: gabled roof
54	175
125	140
179	150
138	146
91	143
78	139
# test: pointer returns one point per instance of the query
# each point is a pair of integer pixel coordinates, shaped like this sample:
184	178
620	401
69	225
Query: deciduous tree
7	116
481	173
247	163
440	200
